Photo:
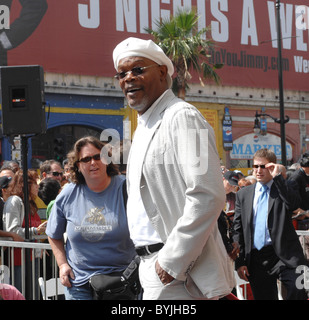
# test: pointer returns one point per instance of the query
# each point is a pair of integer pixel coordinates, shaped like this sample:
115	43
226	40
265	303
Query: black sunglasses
56	174
262	166
89	158
137	71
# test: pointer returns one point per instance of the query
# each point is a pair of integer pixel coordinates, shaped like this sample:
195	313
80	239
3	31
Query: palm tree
181	41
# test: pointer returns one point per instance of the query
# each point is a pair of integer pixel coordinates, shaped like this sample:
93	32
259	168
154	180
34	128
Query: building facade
74	40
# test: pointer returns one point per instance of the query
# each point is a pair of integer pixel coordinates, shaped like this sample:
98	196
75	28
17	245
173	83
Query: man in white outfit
175	189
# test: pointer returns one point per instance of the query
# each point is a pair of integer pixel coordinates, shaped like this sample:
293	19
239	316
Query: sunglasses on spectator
55	173
89	158
262	166
137	71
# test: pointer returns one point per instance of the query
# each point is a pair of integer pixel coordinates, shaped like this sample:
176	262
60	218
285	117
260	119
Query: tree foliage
187	47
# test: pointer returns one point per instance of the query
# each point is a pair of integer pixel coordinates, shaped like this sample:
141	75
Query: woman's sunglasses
89	158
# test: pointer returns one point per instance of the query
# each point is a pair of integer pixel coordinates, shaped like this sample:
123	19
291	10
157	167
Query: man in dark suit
269	246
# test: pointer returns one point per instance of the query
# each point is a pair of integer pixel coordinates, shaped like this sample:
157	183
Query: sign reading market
245	146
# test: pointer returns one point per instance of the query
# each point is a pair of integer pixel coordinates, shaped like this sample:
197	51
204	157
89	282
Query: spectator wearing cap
230	182
173	206
239	173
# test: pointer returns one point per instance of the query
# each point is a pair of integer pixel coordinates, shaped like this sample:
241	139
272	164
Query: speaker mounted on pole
22	100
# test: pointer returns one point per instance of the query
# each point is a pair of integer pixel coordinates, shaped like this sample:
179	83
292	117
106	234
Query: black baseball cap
231	177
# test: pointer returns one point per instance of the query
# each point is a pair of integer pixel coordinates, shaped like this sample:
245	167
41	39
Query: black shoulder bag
117	286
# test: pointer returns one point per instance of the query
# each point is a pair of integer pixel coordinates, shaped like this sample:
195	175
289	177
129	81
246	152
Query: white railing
40	266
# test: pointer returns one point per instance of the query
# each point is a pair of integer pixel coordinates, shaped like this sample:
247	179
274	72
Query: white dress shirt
141	230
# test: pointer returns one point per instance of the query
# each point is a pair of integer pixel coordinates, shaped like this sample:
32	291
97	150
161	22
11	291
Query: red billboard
78	36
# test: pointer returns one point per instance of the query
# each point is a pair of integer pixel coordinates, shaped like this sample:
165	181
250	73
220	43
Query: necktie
261	218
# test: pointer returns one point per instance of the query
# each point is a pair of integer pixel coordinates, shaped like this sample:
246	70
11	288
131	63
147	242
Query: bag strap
125	194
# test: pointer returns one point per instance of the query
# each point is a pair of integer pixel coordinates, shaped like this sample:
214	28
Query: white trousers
154	289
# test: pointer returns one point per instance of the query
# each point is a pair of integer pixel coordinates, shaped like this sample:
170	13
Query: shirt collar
143	119
259	184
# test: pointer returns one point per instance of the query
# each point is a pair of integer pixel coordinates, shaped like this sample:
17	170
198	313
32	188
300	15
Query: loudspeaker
22	100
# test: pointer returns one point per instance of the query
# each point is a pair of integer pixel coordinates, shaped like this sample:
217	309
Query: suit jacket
283	199
183	196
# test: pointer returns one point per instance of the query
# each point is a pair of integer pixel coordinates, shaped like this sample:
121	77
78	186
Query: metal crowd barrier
7	264
41	266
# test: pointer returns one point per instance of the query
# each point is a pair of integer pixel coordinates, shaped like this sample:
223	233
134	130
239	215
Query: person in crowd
14	215
7	172
243	182
11	164
269	246
49	188
174	199
230	189
66	172
51	169
230	183
251	178
9	292
4	183
301	214
301	178
223	169
240	174
91	210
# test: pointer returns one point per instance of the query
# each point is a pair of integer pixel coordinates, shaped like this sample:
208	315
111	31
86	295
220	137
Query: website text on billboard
244	33
245	60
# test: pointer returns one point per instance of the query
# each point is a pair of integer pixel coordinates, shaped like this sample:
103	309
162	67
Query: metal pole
281	96
24	150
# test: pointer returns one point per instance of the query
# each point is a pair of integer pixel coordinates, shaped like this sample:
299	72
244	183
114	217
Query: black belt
147	250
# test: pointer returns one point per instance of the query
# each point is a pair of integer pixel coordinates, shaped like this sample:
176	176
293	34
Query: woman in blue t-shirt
91	211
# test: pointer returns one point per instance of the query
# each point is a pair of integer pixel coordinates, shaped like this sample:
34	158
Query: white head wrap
135	47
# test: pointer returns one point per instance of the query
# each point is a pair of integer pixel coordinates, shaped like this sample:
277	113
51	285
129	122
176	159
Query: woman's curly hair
73	158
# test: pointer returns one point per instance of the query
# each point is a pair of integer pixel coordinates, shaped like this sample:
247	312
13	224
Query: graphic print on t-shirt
96	224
